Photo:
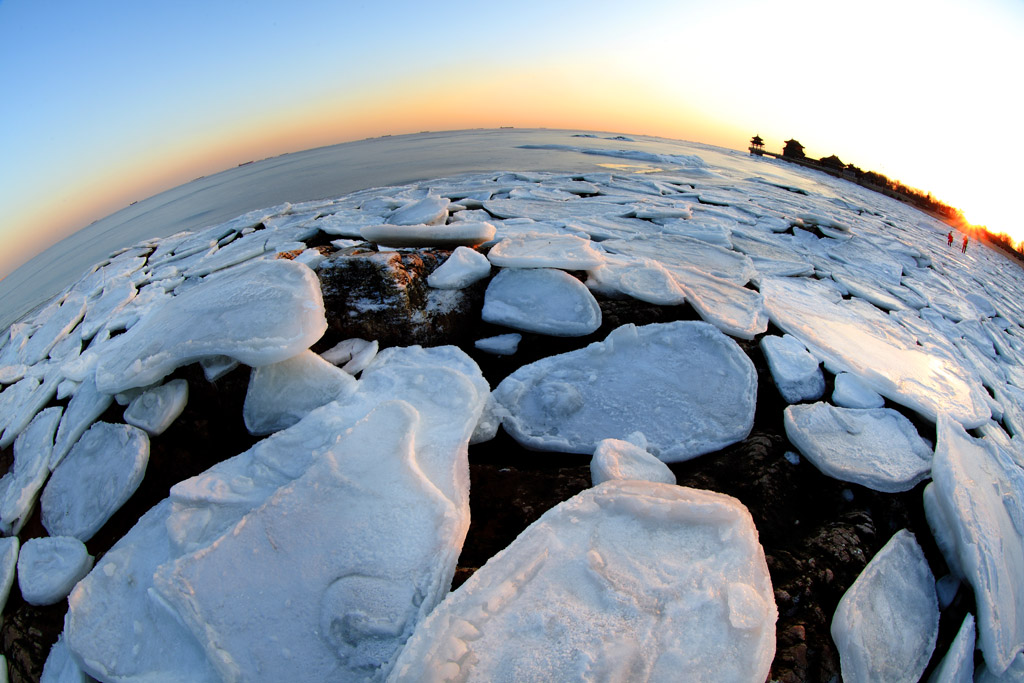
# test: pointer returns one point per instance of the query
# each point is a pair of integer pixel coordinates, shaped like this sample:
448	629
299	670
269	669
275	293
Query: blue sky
111	101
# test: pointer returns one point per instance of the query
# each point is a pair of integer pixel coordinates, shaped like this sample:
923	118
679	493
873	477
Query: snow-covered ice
886	623
628	580
796	372
259	313
154	410
686	386
977	512
97	477
464	267
281	394
541	300
49	567
878	448
618	459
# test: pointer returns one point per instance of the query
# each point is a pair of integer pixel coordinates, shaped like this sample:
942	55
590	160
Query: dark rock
383	295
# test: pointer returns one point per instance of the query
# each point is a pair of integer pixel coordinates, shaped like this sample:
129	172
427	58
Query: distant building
756	146
793	150
833	162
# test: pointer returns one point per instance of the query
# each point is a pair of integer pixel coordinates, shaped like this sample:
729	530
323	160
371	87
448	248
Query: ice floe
100	473
541	300
685	386
259	313
975	507
499	345
887	622
877	448
628	580
48	568
445	236
957	665
567	252
20	487
851	392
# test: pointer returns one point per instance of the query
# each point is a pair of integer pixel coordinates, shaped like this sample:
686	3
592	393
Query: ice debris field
327	550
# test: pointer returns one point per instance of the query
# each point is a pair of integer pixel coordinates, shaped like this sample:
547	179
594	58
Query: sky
110	101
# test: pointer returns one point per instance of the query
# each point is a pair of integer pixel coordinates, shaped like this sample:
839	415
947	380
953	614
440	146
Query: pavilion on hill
756	146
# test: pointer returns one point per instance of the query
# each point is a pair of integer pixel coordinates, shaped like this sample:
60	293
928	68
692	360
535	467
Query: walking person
963	250
949	239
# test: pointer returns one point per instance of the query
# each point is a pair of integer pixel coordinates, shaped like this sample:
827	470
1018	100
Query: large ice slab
618	459
464	267
686	386
978	506
877	448
97	477
49	567
730	307
364	539
85	406
676	250
429	211
874	351
626	581
796	372
545	251
281	394
851	392
957	665
886	623
541	300
446	236
259	313
642	279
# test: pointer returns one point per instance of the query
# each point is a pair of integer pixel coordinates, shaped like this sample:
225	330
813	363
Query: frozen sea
332	171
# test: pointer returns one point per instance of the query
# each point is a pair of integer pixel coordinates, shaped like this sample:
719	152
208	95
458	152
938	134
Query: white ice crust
629	580
259	313
886	623
49	567
464	267
847	341
541	300
686	386
877	447
97	477
619	459
156	409
978	506
796	372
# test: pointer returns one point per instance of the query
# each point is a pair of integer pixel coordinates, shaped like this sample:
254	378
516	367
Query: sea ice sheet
887	622
978	505
626	581
541	300
895	369
686	386
259	313
878	448
97	477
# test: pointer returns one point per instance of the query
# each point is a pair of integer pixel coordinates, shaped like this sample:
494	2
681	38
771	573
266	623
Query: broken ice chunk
281	394
887	622
154	410
618	459
851	392
426	211
464	267
690	389
259	313
541	300
957	665
499	345
628	580
84	407
877	448
49	567
22	484
567	252
796	372
458	234
9	547
97	477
